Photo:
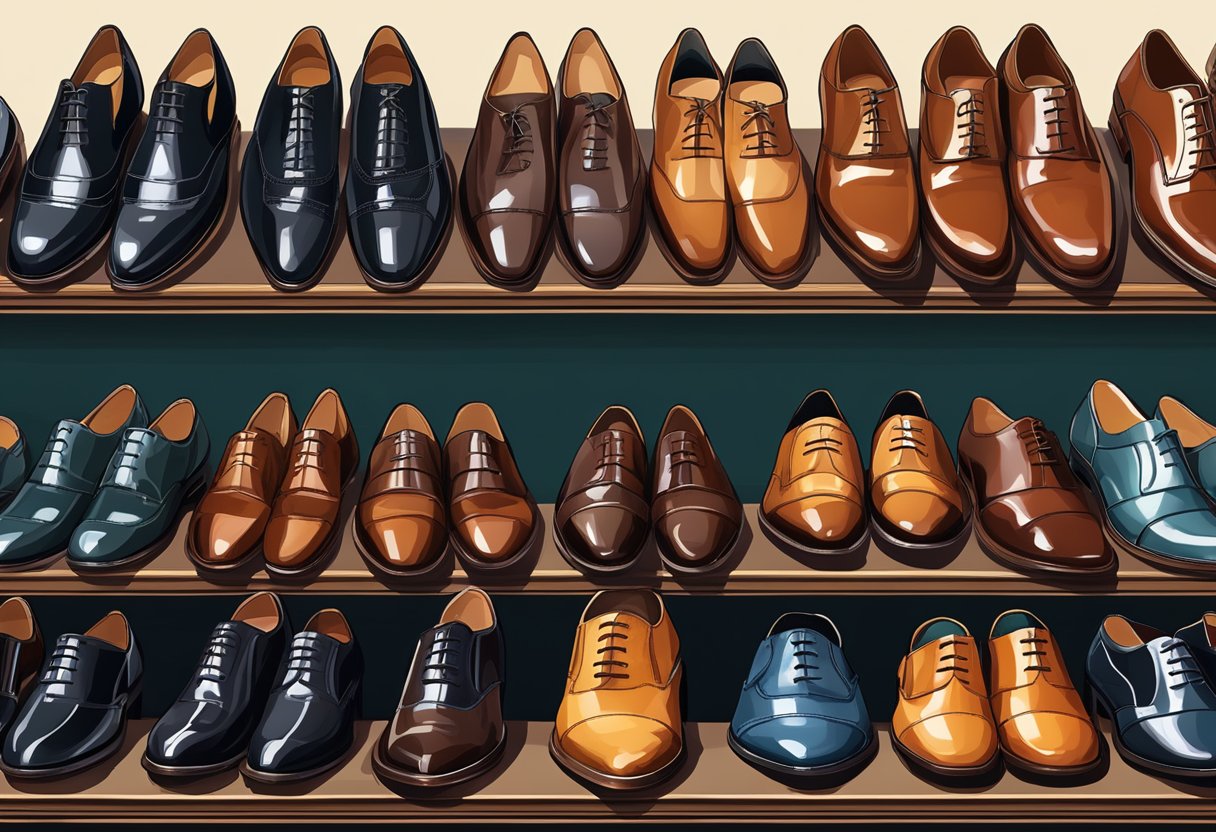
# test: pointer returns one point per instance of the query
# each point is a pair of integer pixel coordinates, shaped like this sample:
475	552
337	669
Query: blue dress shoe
1200	637
1137	468
801	713
14	459
1162	708
1198	438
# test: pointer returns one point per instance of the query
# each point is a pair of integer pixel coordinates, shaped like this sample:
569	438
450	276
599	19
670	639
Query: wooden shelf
228	279
759	568
528	786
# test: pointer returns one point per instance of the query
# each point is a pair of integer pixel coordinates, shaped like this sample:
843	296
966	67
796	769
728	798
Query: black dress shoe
76	715
72	182
399	182
309	724
209	726
177	185
20	656
10	144
289	181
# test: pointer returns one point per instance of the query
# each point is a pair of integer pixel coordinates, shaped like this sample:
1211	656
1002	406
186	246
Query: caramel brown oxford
304	531
865	181
401	526
227	527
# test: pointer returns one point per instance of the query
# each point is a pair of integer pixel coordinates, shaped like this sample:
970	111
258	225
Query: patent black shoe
20	656
72	182
177	185
208	728
10	145
399	182
289	179
309	723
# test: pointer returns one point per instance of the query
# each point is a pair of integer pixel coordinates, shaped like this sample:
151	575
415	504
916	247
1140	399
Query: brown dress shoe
865	180
601	174
915	494
816	499
687	184
509	182
304	531
1163	123
401	525
602	514
619	724
1031	512
1059	181
696	512
227	526
495	522
765	170
962	161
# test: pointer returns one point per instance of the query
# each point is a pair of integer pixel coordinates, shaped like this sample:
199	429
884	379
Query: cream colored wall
457	43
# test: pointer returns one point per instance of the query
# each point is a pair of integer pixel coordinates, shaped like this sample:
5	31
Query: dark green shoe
155	475
37	524
15	460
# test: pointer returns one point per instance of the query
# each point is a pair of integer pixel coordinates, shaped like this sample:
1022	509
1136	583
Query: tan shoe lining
1114	411
330	623
326	414
8	433
16	619
113	411
407	417
176	422
306	64
521	71
113	630
1192	431
258	611
476	416
472	608
588	69
386	63
274	417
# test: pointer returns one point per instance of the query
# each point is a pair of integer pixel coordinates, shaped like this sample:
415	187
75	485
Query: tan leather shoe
816	499
962	161
401	524
1042	725
765	170
619	724
226	528
942	722
687	176
865	181
304	530
915	493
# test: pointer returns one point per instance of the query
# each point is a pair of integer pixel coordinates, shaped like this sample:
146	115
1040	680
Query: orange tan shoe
619	724
943	724
1043	727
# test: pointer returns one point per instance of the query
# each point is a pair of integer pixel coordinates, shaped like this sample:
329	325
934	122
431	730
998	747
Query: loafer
15	459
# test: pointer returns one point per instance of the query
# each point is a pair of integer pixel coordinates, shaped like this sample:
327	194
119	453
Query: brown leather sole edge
290	777
327	551
781	539
587	567
608	781
954	267
893	539
631	263
227	567
946	772
523	284
863	265
31	565
688	275
476	564
389	772
378	566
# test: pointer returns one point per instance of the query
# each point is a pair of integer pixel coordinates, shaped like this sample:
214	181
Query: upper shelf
227	278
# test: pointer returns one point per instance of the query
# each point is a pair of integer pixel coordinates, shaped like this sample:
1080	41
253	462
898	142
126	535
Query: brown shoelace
758	117
612	650
597	126
970	114
1033	652
517	143
1057	125
1198	127
1041	444
874	121
953	662
698	135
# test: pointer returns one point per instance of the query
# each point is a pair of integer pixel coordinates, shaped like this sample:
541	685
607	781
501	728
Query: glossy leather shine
15	459
20	656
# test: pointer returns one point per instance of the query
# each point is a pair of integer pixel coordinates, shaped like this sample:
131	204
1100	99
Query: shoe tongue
1184	93
599	99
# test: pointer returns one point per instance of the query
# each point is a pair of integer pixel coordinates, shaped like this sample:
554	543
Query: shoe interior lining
860	65
986	417
817	405
521	71
330	623
936	629
8	433
642	603
260	611
386	61
194	64
407	417
113	411
102	63
16	620
326	414
905	403
471	608
961	63
1127	633
588	70
113	630
1035	61
814	622
1192	431
176	423
1114	411
274	417
693	74
1209	628
1164	66
616	418
307	61
1013	621
477	416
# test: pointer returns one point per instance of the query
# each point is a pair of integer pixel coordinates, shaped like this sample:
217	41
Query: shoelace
308	455
53	454
1057	129
874	121
406	447
611	651
303	657
214	665
799	665
391	135
956	659
612	451
758	117
300	157
130	451
1167	444
1041	444
698	133
1198	126
517	143
822	443
435	666
61	668
73	114
1033	652
684	452
971	125
1187	667
240	451
597	125
904	438
167	110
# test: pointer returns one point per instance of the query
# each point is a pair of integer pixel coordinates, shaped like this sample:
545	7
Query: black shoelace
167	109
517	143
436	666
299	156
805	671
391	133
874	121
698	133
904	438
1198	127
684	451
763	129
1034	652
73	114
597	127
1057	125
970	114
613	652
1185	668
953	662
822	443
217	654
1167	446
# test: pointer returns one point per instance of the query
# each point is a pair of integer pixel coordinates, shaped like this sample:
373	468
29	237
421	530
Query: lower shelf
528	786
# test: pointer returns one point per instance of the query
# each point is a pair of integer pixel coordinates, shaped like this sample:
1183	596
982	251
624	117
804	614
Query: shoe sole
326	552
105	752
946	773
782	540
189	771
388	772
809	774
472	563
377	566
608	781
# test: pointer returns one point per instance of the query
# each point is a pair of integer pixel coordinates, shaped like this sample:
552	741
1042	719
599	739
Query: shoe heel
1093	702
1117	132
1081	468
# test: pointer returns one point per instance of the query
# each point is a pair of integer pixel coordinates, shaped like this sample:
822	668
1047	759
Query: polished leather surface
20	655
492	512
696	513
865	179
765	169
398	187
1200	638
323	457
72	182
449	719
1163	121
402	513
1058	178
962	158
1040	718
10	132
602	513
1163	709
177	184
211	722
620	711
15	459
229	522
943	718
153	472
289	179
309	722
39	522
816	496
77	711
1138	469
801	706
600	170
914	489
1198	440
1029	505
687	172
